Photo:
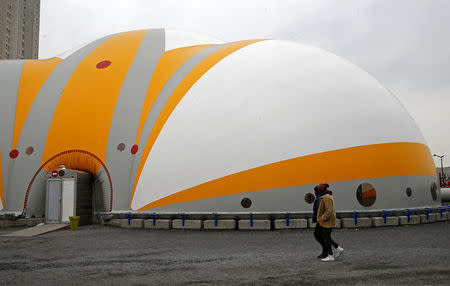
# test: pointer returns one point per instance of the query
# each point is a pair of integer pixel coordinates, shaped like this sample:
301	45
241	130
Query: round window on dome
121	147
246	203
29	150
366	194
408	191
433	190
309	198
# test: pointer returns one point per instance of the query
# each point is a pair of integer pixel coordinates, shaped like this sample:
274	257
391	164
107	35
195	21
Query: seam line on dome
203	61
127	111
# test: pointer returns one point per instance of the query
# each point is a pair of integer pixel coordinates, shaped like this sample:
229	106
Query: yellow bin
74	220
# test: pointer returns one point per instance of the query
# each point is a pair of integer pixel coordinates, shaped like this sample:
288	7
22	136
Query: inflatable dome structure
168	121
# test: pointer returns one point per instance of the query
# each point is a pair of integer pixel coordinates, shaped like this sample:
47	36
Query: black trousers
323	236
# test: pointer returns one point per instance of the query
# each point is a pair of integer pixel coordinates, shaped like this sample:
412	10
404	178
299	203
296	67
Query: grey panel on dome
162	99
292	199
37	124
10	74
127	114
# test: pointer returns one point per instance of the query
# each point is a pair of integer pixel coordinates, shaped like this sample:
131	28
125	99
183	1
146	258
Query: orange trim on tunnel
34	74
195	74
170	61
362	162
85	109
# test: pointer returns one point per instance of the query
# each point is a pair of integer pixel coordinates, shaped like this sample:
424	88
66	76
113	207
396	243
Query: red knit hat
323	187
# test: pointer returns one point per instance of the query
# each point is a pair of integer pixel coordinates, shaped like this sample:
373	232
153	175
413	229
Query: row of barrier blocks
28	222
266	224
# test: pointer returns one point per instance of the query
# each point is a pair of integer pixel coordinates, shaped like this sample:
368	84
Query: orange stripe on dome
34	74
362	162
184	86
85	109
166	67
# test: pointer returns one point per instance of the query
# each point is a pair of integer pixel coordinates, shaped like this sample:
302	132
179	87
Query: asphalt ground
96	255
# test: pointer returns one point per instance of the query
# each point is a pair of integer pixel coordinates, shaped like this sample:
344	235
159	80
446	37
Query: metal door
53	206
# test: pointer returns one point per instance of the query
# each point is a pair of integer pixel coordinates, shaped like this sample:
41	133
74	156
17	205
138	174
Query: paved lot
98	255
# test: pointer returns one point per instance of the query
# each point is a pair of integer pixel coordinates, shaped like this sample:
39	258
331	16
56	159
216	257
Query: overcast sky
405	44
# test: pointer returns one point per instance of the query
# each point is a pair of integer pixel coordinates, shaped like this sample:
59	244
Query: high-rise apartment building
19	29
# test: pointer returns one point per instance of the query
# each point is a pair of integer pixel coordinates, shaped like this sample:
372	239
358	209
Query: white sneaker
338	251
328	258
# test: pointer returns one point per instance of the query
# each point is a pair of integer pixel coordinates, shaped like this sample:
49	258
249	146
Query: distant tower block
19	29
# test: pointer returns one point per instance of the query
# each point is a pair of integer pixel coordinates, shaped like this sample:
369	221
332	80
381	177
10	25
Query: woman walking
324	214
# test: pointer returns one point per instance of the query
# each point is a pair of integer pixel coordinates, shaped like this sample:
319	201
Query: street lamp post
442	166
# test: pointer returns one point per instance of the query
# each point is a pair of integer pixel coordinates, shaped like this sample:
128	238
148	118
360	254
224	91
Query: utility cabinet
68	193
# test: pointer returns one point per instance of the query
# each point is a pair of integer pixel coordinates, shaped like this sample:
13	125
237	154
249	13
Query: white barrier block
159	224
390	221
124	223
293	223
362	222
221	224
444	216
260	224
338	223
413	219
431	218
137	223
188	224
113	222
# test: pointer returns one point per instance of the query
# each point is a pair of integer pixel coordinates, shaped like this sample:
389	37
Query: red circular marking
103	64
54	174
14	153
134	149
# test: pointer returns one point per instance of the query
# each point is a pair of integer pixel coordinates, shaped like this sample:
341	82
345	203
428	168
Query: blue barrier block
355	215
129	218
182	220
441	210
215	220
409	214
385	214
428	211
154	219
251	219
287	219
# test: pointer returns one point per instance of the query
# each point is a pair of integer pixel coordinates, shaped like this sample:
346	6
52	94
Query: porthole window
408	191
433	190
309	198
121	147
246	203
366	194
29	150
61	173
